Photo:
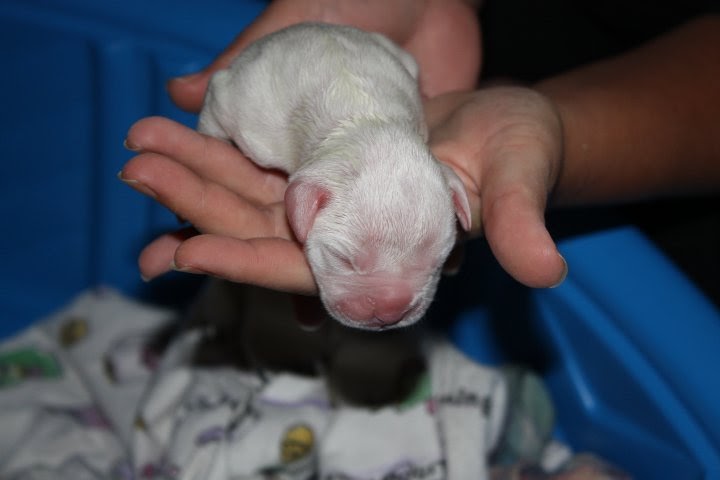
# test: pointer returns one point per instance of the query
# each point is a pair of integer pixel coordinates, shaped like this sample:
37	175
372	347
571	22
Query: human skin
442	35
642	124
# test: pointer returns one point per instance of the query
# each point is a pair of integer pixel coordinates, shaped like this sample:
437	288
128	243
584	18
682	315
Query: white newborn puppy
339	110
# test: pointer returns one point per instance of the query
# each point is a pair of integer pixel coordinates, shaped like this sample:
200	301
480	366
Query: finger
272	263
188	92
447	48
210	207
212	159
438	109
157	257
514	225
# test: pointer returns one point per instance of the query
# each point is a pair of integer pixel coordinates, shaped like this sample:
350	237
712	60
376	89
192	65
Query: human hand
505	143
442	35
236	207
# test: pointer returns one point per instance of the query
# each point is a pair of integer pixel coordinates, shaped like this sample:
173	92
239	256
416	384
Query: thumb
513	218
515	230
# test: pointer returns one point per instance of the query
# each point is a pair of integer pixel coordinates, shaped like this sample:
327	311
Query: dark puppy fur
254	328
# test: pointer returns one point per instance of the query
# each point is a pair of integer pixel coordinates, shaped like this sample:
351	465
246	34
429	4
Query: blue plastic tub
77	74
629	348
627	345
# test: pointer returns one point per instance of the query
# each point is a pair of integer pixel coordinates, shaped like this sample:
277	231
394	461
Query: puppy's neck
348	108
348	144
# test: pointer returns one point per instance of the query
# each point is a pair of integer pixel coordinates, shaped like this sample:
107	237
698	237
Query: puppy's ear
459	197
303	200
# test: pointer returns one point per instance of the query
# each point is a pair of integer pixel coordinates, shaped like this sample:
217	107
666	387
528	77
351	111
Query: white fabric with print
83	396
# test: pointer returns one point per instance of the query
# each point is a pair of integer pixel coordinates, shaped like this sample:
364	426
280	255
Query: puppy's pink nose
386	306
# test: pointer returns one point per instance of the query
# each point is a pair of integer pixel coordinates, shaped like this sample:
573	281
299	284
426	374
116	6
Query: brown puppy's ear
459	197
303	200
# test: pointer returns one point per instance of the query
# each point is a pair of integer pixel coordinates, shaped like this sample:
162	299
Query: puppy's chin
374	324
339	297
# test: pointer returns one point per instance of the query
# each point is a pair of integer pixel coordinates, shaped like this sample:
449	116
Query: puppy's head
377	216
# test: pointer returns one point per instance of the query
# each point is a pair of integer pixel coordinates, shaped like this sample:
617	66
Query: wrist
475	4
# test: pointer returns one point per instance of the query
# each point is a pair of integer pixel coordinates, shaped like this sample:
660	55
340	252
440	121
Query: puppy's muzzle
379	306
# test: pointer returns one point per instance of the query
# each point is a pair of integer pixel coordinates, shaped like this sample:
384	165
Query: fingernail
310	327
144	278
451	271
136	185
564	273
173	266
187	78
130	146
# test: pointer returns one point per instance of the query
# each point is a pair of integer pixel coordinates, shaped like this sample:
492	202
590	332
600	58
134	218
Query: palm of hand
506	145
237	207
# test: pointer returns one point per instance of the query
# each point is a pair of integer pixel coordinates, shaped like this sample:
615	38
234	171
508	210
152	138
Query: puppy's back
288	90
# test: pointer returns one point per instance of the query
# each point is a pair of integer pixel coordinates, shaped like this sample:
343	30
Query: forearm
643	124
476	4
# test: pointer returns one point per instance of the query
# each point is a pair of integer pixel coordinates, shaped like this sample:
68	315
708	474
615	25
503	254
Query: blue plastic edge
664	331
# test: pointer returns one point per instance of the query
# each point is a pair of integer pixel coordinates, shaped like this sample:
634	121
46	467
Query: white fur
339	110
